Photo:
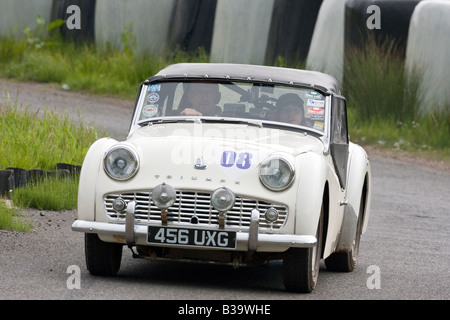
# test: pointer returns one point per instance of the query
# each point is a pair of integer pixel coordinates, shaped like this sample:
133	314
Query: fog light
271	214
119	205
164	196
223	199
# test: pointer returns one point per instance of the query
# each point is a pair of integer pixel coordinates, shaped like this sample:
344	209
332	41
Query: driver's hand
190	112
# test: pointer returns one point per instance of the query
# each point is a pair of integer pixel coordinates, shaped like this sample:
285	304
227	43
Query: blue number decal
244	160
229	159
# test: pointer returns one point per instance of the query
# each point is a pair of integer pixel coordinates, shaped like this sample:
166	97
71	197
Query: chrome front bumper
251	240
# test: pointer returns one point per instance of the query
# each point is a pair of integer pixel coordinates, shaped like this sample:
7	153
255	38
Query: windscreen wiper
153	121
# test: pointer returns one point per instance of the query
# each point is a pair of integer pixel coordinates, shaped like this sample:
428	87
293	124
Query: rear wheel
102	258
301	265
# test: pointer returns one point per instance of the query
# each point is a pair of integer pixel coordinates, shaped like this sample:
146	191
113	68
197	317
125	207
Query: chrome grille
195	207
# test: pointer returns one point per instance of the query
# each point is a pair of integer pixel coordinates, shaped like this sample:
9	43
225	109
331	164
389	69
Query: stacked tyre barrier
13	178
258	31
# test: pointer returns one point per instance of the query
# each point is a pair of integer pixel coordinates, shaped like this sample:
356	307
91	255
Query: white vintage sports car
233	164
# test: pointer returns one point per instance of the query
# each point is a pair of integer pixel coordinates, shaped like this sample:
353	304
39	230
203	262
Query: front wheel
102	258
301	265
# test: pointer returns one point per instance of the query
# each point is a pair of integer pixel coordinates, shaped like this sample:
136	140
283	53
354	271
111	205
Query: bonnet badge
200	163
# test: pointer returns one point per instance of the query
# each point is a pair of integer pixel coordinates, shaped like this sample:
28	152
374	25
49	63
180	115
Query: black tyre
301	265
346	261
102	258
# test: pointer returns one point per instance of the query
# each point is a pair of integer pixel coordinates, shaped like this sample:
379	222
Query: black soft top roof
245	72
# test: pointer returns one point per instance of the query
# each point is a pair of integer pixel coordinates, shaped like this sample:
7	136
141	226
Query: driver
200	99
290	109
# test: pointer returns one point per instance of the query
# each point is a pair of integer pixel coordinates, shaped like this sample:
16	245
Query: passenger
200	99
290	109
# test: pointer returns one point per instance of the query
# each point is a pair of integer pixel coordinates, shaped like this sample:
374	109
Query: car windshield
276	104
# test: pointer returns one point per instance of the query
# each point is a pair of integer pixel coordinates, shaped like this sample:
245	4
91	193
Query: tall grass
12	219
48	194
29	140
375	83
85	67
383	105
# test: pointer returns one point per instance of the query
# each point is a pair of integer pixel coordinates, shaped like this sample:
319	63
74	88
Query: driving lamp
164	196
121	163
119	205
276	173
223	199
271	214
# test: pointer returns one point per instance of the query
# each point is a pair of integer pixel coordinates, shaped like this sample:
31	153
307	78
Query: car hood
189	141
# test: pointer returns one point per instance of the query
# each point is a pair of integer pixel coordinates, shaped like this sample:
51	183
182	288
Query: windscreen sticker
315	103
154	88
318	126
150	111
317	111
314	95
153	97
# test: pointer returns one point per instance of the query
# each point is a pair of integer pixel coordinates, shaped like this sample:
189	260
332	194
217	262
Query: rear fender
357	182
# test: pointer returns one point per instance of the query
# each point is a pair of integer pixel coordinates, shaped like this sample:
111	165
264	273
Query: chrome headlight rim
291	172
134	155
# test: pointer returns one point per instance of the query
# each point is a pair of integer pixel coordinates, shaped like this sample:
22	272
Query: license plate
192	237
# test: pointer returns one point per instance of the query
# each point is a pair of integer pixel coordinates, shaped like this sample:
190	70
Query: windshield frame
140	104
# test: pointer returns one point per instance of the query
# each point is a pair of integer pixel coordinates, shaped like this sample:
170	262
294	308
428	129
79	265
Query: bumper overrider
251	240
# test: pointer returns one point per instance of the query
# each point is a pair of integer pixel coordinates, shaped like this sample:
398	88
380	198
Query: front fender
310	194
90	169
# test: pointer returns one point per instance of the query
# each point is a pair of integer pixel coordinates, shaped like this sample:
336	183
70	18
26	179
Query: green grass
41	141
12	219
383	104
84	67
48	194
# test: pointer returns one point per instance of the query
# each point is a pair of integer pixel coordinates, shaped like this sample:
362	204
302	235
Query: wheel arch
326	214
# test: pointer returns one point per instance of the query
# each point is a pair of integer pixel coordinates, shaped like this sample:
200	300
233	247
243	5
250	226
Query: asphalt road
404	255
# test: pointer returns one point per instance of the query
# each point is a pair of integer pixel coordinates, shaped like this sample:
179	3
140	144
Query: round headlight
276	173
121	163
223	199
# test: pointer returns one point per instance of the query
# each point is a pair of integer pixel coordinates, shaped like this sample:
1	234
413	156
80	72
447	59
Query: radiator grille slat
191	204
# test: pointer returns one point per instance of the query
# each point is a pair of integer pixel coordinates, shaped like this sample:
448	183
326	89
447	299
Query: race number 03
231	158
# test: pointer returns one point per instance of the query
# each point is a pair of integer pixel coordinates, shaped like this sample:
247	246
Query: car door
339	138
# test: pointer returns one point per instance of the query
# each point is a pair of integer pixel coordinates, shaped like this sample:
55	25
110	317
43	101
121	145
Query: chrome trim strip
254	230
264	239
129	222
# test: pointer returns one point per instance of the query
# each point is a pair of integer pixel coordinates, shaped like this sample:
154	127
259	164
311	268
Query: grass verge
48	194
40	142
84	67
12	218
383	105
